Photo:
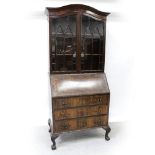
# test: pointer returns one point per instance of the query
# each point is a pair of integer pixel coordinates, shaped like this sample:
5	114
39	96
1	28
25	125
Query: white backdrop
24	83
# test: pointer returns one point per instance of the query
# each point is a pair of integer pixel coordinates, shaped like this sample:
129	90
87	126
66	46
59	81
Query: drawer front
81	112
70	102
80	123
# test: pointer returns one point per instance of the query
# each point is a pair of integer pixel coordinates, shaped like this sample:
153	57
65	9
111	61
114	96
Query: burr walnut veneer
79	88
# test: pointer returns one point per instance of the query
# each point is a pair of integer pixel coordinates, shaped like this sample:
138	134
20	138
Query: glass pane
63	50
92	44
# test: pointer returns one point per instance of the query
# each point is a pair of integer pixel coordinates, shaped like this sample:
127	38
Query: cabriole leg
53	137
107	129
49	123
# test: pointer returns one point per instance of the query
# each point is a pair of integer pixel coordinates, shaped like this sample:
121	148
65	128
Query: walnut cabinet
79	90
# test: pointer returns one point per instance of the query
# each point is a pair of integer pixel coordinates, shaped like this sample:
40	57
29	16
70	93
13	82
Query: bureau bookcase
79	90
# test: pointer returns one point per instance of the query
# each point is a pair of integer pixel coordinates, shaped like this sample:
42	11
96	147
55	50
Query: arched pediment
76	8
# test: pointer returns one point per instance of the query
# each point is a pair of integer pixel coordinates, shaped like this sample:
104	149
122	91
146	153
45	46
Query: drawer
80	112
80	123
61	103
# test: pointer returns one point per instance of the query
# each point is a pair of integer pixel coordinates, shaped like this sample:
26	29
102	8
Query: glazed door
92	44
63	44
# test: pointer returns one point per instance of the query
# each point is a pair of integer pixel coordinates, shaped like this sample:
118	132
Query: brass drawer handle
65	126
82	124
80	113
64	104
63	114
100	99
99	110
98	122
